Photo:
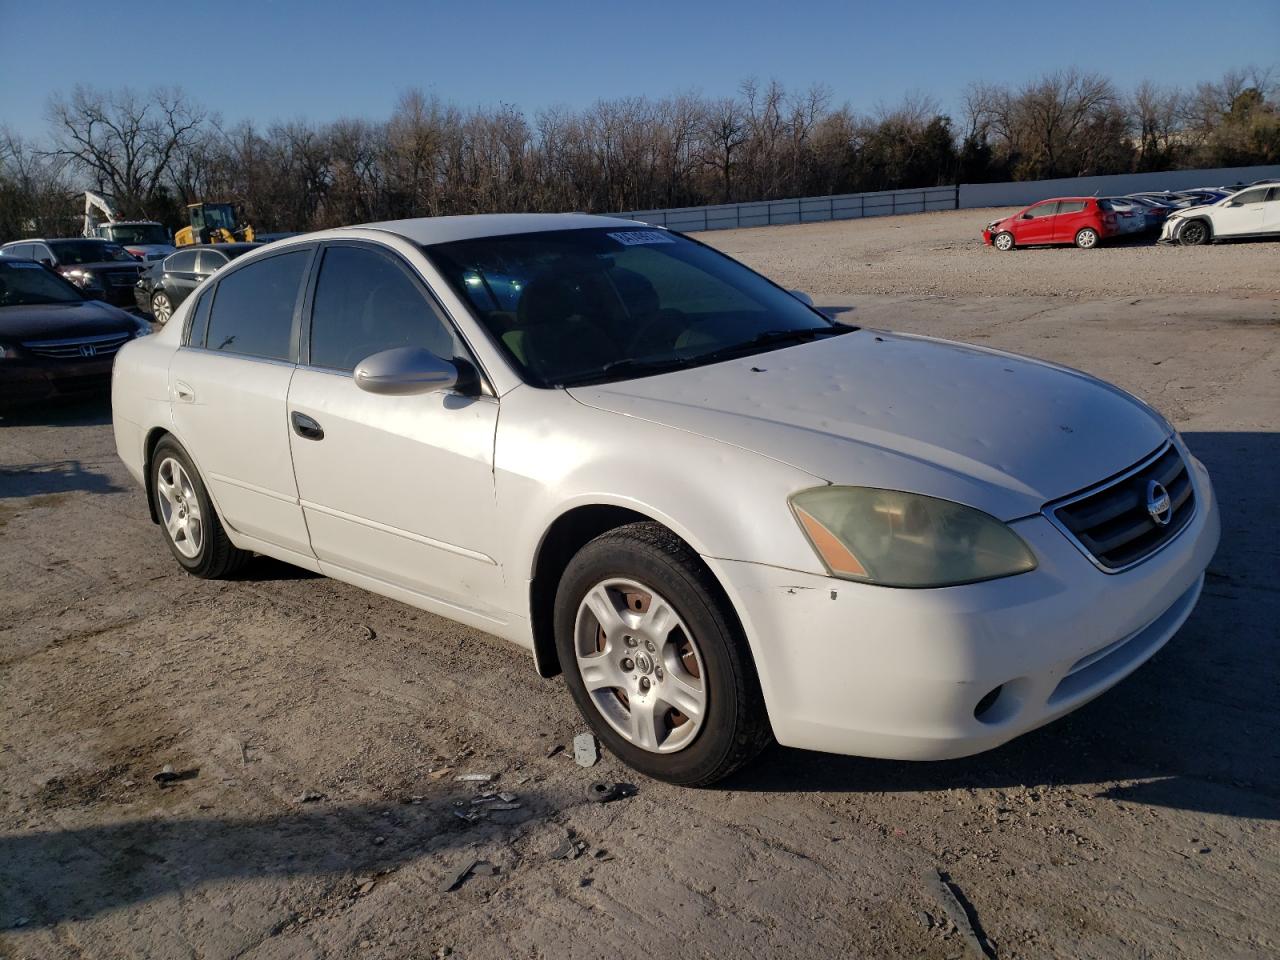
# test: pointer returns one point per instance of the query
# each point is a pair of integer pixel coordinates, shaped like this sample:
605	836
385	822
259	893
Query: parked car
164	285
1062	220
145	239
1153	212
721	514
1253	212
55	341
101	268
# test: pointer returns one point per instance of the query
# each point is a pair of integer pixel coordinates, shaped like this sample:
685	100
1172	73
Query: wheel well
153	438
568	534
1204	221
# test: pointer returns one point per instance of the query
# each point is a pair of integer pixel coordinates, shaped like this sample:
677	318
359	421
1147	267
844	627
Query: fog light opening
987	702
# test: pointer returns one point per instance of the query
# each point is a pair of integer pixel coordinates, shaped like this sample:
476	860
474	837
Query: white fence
853	206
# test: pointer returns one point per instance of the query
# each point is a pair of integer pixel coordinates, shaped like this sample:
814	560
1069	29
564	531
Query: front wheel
1003	241
161	307
1194	234
1087	238
655	660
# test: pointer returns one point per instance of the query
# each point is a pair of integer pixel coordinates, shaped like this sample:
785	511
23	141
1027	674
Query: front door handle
306	427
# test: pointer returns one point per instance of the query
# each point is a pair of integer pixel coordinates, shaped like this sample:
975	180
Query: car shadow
59	874
1197	728
58	476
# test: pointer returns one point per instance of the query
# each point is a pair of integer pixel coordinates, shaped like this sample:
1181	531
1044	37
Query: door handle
184	391
306	427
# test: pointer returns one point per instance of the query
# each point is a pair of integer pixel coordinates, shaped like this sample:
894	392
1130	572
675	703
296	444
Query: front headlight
81	278
907	540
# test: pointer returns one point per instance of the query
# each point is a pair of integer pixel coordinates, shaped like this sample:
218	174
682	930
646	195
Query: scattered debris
369	632
168	775
310	796
586	751
414	799
475	777
479	868
602	791
379	841
364	885
603	855
950	898
554	749
441	773
507	797
503	806
470	816
570	849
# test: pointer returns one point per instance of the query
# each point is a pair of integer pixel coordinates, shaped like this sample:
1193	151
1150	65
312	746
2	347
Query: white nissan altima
722	516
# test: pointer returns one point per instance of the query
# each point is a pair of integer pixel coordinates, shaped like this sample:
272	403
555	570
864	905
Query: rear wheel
654	657
1195	233
1086	238
1003	240
161	307
191	526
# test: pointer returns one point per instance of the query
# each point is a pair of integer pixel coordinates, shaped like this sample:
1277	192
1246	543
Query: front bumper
25	380
879	672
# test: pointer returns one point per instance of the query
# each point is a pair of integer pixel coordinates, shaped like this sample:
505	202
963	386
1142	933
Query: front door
398	489
228	388
1036	224
1243	213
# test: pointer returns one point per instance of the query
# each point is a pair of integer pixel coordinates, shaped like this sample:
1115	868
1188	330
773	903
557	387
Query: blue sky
282	59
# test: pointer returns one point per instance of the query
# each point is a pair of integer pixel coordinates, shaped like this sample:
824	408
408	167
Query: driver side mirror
1027	216
802	297
404	371
46	261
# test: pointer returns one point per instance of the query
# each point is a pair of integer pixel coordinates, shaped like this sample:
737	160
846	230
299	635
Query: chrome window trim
1049	510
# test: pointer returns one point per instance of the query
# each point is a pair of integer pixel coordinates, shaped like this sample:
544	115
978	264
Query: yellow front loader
213	223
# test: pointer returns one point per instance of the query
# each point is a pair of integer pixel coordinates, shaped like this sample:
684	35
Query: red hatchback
1078	220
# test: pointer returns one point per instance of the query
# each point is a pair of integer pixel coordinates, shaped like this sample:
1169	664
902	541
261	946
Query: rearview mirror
802	297
404	371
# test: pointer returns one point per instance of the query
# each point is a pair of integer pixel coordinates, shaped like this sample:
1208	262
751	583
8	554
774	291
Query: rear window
252	313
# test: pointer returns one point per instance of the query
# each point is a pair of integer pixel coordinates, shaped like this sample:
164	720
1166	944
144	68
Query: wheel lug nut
628	664
650	647
658	673
644	683
629	641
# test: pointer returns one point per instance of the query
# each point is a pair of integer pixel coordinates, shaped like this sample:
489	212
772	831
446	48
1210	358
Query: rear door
397	489
180	276
1242	214
1271	211
1036	223
228	386
210	262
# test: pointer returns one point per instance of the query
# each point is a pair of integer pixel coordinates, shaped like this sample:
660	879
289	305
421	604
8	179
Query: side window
198	320
210	262
184	261
1273	194
1251	196
1071	206
38	251
1043	210
24	251
365	302
252	313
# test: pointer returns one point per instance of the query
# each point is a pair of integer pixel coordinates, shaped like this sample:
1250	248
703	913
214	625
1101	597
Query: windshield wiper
629	365
770	338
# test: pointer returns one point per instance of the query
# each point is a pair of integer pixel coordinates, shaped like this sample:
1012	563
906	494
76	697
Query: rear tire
691	652
1087	238
191	526
1003	241
1194	234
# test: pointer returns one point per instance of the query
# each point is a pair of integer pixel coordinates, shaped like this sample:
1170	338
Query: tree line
153	153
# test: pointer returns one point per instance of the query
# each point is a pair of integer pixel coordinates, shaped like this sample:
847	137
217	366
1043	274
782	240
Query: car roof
428	230
244	245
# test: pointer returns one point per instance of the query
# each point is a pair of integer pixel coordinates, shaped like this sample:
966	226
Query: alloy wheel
1004	241
641	665
179	508
1086	239
161	308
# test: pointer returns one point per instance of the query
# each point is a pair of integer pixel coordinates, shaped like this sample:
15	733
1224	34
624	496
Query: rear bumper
873	671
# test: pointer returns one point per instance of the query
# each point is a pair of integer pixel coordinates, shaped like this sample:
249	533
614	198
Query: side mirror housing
802	297
404	371
1027	216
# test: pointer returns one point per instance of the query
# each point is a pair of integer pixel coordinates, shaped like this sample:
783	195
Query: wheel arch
1201	219
154	436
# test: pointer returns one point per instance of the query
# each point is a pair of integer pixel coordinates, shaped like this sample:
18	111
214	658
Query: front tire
1087	238
1194	234
1003	241
191	526
655	659
161	307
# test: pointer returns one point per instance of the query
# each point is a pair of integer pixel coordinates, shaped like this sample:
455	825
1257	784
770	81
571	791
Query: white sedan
724	517
1252	212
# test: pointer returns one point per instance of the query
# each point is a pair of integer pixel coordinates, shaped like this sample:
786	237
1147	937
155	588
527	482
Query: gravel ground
321	728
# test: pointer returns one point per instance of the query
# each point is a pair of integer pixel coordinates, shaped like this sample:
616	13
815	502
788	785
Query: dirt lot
1145	825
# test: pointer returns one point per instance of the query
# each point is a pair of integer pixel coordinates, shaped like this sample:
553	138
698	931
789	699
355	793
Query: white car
1252	212
723	516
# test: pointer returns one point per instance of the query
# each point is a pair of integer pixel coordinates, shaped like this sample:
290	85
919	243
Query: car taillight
1109	219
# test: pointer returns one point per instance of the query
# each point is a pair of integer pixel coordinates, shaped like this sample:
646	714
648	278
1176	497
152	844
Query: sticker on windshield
631	238
23	264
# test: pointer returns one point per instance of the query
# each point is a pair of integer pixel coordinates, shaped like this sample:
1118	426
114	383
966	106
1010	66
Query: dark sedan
165	284
55	341
101	268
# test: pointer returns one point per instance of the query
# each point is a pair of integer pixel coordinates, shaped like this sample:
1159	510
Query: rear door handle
306	427
184	392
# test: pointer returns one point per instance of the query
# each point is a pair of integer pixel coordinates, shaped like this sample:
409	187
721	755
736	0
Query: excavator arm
94	202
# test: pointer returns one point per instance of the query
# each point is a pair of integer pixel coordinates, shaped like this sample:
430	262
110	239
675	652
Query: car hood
1001	433
52	321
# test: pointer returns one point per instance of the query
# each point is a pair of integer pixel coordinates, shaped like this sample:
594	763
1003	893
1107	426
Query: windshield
138	233
71	252
24	283
582	306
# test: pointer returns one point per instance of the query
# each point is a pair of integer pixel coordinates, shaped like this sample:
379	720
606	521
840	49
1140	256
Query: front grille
1111	522
78	348
122	278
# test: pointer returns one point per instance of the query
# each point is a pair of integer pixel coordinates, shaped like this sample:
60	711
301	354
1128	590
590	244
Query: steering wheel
673	320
